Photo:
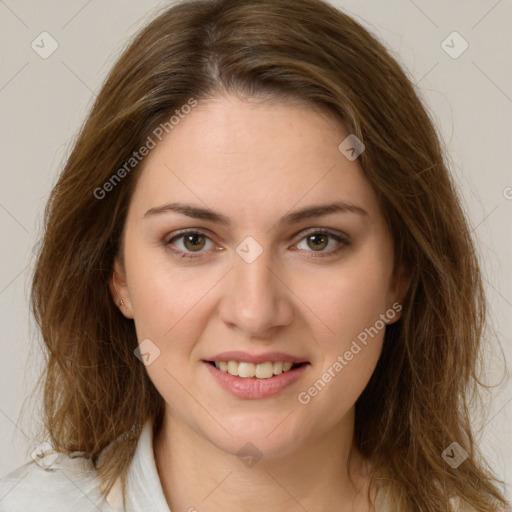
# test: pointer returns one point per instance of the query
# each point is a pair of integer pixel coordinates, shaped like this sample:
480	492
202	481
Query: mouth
247	370
249	380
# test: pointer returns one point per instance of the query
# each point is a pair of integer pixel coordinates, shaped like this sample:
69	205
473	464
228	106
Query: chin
268	436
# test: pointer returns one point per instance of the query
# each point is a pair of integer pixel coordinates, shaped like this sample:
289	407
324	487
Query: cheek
351	302
347	358
334	389
166	297
349	299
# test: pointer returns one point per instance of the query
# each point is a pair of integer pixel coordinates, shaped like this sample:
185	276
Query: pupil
192	240
316	237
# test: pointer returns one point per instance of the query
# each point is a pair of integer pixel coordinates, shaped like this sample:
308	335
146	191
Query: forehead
246	158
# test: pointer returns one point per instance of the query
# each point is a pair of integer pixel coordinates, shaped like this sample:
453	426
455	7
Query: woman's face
267	274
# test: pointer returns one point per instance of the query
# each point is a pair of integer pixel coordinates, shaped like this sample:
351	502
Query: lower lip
252	387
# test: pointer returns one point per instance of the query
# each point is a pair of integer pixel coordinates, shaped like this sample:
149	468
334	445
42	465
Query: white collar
144	489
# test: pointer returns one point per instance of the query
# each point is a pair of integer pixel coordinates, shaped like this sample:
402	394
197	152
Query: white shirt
71	484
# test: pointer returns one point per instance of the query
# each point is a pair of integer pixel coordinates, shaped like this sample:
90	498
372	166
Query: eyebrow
294	217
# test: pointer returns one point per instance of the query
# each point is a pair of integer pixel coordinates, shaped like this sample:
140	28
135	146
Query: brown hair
96	392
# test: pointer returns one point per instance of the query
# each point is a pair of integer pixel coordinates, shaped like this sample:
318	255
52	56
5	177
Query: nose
255	301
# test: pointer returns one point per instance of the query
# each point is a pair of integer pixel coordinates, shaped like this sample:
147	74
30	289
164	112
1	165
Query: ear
398	292
119	289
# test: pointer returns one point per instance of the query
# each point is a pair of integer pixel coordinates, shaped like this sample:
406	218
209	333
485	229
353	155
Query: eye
190	243
318	241
186	243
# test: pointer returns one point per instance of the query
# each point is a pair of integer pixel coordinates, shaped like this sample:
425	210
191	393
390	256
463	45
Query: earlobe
119	290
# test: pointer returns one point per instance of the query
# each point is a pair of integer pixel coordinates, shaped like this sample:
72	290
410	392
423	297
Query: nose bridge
256	301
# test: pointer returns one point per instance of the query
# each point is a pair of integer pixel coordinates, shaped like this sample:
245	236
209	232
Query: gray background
43	102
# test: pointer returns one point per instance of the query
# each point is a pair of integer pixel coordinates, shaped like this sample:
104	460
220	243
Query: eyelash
343	242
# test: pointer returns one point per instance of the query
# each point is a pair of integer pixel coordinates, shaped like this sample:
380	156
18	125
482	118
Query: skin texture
255	162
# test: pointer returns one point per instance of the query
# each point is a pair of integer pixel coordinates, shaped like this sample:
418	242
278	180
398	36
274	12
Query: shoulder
56	481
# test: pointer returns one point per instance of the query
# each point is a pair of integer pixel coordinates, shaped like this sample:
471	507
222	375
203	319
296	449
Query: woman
257	287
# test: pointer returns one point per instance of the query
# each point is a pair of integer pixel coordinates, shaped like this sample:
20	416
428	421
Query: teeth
287	366
233	367
278	368
263	370
247	370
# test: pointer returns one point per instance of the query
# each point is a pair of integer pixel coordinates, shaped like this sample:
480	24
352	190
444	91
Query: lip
253	388
240	356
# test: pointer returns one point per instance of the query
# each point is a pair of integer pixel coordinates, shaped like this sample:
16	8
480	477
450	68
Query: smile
261	370
254	381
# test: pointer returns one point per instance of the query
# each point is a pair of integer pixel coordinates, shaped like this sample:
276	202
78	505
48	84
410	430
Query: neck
197	475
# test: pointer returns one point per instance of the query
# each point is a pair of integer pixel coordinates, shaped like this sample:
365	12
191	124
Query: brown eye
324	243
317	241
194	242
189	244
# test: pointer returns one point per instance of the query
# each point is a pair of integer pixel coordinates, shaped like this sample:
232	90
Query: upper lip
237	355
